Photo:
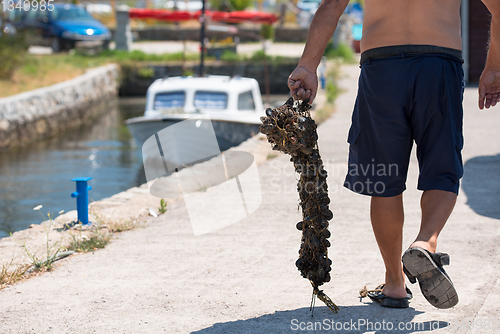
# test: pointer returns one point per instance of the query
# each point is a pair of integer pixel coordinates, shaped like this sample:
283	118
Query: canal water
40	173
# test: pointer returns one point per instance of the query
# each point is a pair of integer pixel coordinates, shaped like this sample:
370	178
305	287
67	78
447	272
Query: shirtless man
410	89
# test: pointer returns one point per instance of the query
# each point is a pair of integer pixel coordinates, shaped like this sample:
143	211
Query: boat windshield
210	100
245	101
170	100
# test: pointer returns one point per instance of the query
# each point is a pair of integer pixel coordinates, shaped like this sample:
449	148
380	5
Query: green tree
240	4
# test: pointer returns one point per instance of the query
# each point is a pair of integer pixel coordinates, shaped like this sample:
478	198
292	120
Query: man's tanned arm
303	82
489	83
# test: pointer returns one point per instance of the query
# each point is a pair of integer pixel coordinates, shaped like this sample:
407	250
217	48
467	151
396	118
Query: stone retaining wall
43	112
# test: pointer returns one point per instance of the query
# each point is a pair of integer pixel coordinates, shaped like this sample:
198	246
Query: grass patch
96	236
137	55
121	226
52	250
88	240
82	238
163	206
271	156
40	71
36	71
84	243
9	276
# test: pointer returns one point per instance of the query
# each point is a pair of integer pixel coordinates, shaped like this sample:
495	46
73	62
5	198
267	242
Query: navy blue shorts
407	93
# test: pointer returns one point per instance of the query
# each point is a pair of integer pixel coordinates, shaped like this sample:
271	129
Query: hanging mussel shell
291	130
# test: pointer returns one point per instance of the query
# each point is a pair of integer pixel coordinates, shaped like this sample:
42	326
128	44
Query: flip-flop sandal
377	295
435	284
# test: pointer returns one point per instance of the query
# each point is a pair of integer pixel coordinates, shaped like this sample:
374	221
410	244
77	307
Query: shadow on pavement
481	184
365	318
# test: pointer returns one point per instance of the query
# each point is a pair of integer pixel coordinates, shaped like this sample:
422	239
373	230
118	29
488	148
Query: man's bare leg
437	206
387	218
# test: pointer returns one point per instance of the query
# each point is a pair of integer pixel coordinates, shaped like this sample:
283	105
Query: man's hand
489	89
303	84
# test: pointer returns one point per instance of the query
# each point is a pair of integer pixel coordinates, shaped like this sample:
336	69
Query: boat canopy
214	94
181	15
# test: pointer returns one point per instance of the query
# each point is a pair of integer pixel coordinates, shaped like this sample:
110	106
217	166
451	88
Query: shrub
12	54
146	72
240	4
332	91
267	31
342	51
137	55
259	55
222	5
229	56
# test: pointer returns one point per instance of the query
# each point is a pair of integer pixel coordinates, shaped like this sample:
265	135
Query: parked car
7	28
62	27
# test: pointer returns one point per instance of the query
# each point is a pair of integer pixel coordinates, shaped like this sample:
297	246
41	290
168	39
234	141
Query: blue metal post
82	199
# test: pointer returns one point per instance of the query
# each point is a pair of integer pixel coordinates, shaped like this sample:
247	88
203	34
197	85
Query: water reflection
40	173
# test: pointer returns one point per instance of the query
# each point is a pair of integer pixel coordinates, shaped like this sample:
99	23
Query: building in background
475	33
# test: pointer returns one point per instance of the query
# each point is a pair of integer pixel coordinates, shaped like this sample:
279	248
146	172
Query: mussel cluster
291	130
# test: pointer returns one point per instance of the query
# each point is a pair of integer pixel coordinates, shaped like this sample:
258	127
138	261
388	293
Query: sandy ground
242	278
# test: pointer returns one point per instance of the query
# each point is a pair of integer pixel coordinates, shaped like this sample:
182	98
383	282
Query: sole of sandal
395	303
390	302
434	283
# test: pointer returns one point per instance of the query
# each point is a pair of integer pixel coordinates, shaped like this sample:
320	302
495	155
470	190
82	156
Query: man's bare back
398	22
401	22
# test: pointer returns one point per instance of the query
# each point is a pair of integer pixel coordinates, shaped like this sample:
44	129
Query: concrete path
272	49
242	278
161	47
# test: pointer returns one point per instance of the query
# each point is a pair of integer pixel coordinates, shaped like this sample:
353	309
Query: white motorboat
232	104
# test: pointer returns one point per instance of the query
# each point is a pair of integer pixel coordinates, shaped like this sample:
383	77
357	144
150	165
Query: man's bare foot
395	287
395	292
429	246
